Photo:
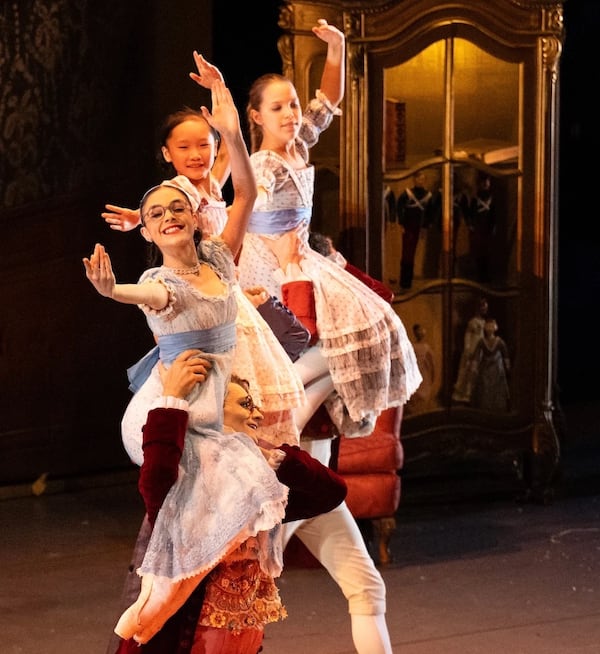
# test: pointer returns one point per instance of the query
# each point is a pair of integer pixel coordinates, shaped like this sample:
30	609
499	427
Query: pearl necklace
195	270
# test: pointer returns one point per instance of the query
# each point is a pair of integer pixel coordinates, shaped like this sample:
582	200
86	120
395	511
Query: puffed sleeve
152	276
266	168
217	254
317	117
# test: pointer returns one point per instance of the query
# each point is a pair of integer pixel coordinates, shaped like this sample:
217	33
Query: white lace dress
370	357
225	491
260	358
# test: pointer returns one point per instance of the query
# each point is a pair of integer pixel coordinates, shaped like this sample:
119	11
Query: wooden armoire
465	92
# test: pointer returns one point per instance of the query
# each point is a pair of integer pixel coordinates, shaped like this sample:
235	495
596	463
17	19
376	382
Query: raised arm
221	168
206	76
225	119
98	269
334	71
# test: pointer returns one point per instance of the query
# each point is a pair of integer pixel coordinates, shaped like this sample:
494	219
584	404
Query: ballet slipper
128	623
159	599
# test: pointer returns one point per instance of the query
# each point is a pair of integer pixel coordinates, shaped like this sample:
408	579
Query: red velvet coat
314	489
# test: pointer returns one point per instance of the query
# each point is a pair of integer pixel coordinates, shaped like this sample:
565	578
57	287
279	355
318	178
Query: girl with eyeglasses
225	492
189	150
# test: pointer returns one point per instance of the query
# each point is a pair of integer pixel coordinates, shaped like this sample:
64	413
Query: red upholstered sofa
370	467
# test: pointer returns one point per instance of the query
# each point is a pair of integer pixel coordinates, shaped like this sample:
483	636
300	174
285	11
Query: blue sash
214	340
278	222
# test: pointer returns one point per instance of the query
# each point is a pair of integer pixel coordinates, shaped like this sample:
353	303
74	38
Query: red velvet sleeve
374	284
299	298
314	488
162	443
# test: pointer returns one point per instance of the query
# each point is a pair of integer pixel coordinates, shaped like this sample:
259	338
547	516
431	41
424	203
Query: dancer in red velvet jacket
203	625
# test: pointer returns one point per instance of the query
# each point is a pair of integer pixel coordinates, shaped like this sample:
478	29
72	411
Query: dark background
579	219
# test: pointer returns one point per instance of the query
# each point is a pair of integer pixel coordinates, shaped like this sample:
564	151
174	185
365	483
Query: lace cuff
274	457
171	402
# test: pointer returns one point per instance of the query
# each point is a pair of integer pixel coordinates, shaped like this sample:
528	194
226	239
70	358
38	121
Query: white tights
370	634
318	385
336	541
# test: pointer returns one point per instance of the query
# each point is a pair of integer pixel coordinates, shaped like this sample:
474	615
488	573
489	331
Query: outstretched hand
121	218
207	73
328	33
98	269
224	116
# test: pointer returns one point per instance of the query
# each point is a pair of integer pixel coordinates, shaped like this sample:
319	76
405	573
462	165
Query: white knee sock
370	634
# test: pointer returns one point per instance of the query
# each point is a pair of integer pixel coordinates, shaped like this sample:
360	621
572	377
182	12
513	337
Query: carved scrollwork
551	50
285	46
555	20
533	4
286	17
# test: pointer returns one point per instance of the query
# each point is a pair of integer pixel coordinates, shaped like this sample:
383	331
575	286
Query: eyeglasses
248	404
157	211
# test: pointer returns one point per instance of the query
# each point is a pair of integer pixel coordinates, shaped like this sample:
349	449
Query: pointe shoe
159	599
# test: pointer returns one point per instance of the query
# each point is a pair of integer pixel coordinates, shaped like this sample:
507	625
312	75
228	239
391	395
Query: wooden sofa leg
383	529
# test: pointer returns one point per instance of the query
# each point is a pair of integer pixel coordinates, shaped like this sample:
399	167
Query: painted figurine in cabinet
481	222
415	214
491	366
422	399
473	334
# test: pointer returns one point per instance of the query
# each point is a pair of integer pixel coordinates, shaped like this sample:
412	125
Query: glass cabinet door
451	220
